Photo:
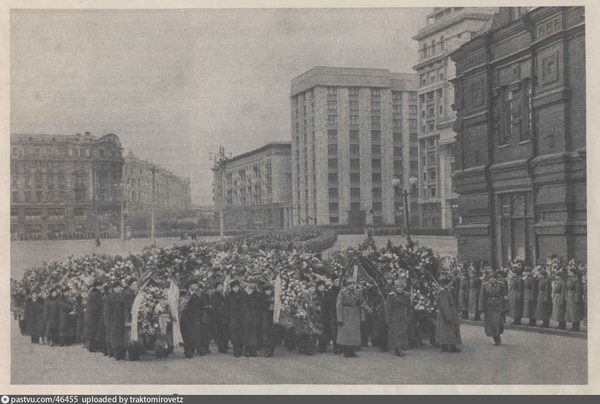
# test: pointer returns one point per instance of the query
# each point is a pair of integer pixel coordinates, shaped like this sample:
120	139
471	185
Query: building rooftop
444	17
352	76
270	145
42	137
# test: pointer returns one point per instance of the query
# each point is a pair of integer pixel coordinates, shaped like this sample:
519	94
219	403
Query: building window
332	135
354	92
354	136
354	178
432	192
353	119
333	193
423	79
397	137
333	178
332	120
354	193
331	91
376	193
354	206
375	136
333	207
375	92
376	164
375	121
354	149
354	163
332	149
332	163
375	149
332	106
353	105
376	178
334	219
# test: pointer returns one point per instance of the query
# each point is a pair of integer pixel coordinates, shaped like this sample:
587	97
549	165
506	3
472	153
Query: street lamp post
396	184
153	206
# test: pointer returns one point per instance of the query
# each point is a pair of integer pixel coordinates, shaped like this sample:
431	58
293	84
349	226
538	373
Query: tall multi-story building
447	28
521	149
253	189
171	193
353	131
65	185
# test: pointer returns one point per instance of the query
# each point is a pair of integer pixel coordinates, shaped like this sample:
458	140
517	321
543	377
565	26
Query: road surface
524	358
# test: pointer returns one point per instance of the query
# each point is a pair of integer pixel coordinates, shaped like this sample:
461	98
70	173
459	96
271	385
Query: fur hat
233	283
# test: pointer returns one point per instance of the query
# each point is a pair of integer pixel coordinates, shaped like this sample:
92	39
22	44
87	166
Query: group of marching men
240	316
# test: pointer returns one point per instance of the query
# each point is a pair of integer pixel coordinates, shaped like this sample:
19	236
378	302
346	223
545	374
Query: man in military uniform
493	301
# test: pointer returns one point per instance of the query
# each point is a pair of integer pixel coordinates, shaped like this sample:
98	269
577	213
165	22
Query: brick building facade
521	145
65	186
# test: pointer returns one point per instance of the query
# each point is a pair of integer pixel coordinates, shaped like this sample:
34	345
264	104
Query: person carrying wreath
348	306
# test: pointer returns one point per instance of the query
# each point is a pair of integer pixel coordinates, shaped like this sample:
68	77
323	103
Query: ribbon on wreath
173	299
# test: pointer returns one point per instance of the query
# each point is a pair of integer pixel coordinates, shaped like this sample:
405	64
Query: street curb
539	330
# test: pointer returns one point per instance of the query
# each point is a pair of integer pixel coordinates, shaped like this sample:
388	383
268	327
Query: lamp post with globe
396	182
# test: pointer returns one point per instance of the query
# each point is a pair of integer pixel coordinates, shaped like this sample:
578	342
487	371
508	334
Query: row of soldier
537	297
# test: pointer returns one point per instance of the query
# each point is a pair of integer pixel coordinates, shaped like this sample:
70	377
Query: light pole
124	190
396	182
153	206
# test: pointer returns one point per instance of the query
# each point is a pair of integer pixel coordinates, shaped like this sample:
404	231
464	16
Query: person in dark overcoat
331	313
529	296
91	319
101	340
117	322
67	320
251	320
321	301
447	324
236	303
267	305
516	289
379	331
575	311
463	296
398	309
34	317
348	307
79	316
51	317
474	288
493	301
205	317
190	319
543	307
559	300
107	305
218	301
129	292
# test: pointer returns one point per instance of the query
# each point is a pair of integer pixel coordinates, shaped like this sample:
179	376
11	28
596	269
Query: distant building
353	131
65	185
447	28
253	188
171	193
521	145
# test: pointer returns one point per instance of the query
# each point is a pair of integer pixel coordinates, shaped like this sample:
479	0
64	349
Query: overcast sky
174	84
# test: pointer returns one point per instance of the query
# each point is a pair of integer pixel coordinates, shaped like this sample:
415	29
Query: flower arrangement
153	307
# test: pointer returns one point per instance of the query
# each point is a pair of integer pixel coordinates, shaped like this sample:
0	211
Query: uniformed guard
493	301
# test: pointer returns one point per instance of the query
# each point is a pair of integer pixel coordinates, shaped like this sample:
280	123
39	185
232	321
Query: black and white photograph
298	196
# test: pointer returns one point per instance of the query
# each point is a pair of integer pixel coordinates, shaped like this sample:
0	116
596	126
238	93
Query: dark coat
35	324
106	305
80	317
559	301
398	309
529	296
463	295
190	321
91	318
251	318
447	324
218	302
543	307
236	303
118	317
574	299
493	302
516	288
455	290
474	288
51	315
330	312
348	314
128	298
67	319
266	307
